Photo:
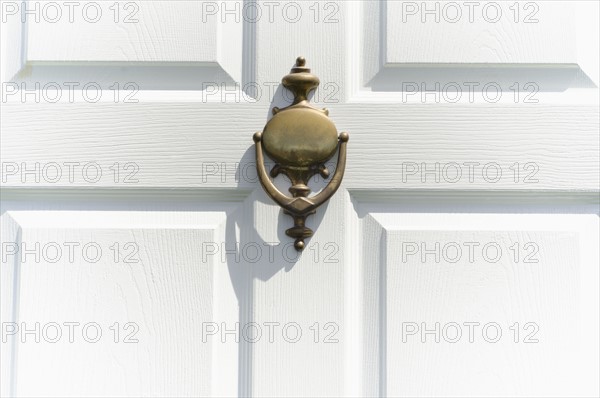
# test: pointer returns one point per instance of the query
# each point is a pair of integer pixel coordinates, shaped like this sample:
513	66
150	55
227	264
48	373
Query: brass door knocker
300	139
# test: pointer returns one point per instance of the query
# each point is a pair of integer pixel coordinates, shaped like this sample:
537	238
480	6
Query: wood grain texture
9	290
438	46
392	146
491	32
144	32
157	277
108	42
440	287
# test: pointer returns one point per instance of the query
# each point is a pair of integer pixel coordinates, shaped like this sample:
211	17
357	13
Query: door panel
482	52
122	45
462	296
123	293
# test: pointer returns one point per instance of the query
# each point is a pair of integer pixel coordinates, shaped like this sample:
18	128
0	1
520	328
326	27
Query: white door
141	257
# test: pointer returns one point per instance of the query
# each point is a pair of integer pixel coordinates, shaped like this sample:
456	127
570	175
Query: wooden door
140	256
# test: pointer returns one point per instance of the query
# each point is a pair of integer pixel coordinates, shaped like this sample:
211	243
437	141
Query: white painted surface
200	250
